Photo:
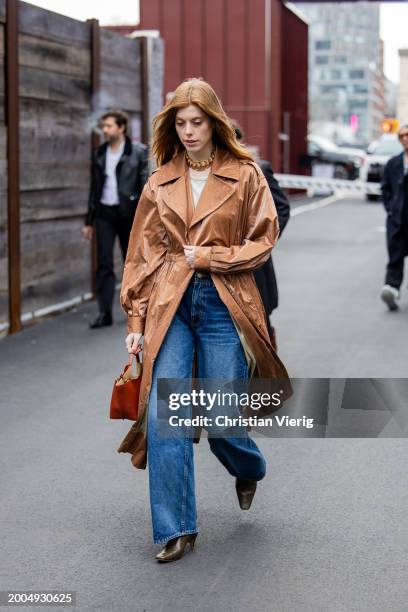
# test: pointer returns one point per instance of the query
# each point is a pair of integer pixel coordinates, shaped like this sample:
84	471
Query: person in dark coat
119	172
265	276
395	198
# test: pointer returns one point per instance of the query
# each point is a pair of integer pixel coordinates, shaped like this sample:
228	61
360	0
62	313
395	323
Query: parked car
360	147
346	163
378	153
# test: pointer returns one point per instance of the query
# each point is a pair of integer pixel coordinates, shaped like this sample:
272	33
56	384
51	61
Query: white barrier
296	181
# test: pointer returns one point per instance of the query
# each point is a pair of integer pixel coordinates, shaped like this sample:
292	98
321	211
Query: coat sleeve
260	234
147	248
279	198
143	173
386	188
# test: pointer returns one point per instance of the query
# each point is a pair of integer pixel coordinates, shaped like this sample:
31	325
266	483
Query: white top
198	179
110	195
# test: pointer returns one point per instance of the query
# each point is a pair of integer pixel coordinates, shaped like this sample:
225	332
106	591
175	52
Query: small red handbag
126	389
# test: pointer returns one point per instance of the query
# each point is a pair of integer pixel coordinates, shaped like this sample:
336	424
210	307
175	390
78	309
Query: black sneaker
104	319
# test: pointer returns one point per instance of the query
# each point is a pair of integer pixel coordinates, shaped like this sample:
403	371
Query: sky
112	12
394	20
393	31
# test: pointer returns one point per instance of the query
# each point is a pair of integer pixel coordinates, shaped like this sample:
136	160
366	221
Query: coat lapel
219	187
175	196
215	193
172	180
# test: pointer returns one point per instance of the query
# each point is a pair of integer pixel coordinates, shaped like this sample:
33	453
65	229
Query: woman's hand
134	343
189	252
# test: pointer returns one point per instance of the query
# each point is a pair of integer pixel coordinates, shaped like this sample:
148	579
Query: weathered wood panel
48	116
3	211
2	84
54	204
3	174
54	56
54	259
56	123
119	91
40	147
54	262
2	108
42	85
3	259
120	72
52	26
53	175
3	181
3	141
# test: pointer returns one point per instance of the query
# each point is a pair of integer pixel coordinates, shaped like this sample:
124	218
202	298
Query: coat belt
174	256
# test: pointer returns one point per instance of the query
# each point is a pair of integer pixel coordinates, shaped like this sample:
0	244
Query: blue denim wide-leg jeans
202	324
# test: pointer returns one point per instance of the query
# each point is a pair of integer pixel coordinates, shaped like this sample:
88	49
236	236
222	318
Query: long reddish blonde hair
166	143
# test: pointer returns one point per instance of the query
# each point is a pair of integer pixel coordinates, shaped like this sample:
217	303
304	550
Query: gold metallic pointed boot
245	492
175	548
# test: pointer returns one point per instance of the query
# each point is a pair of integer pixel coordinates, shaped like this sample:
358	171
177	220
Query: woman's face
195	129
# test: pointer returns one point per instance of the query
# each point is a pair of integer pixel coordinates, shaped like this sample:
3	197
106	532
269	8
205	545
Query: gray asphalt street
331	322
328	529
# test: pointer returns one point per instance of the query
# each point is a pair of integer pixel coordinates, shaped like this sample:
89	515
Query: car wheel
371	197
340	172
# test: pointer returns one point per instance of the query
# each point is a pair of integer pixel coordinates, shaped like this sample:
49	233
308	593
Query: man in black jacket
265	275
395	197
119	172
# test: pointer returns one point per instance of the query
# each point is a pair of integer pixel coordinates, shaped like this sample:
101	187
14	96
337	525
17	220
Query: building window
322	59
360	89
322	44
328	89
336	74
356	74
354	104
340	59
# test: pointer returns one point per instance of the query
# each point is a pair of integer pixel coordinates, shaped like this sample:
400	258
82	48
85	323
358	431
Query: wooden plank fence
58	109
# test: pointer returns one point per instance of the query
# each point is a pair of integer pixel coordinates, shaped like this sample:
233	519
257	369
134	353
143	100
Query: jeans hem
174	535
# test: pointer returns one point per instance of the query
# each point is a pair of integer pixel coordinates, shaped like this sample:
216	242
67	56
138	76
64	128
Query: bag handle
132	355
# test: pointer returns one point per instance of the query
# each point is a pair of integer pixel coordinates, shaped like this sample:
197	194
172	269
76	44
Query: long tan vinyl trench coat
234	227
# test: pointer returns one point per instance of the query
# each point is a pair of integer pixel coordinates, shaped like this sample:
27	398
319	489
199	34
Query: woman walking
205	220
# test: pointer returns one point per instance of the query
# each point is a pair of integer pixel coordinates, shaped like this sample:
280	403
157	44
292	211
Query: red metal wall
295	88
254	54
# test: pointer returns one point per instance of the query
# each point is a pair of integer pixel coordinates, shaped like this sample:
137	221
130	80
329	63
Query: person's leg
171	459
105	226
220	355
124	227
396	253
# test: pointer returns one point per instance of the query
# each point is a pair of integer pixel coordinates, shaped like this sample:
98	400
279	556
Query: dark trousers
108	225
397	243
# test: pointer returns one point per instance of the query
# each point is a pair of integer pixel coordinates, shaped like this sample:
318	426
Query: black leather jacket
131	172
265	275
392	186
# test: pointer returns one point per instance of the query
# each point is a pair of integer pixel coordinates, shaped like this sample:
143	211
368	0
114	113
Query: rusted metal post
95	108
13	178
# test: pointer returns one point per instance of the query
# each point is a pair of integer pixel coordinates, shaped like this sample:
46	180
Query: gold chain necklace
199	165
